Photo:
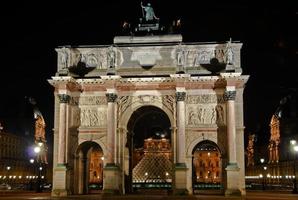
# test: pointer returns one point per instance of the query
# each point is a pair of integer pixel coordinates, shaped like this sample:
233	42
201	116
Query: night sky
32	31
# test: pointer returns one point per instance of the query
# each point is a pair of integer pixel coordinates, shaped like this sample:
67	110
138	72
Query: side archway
207	170
89	168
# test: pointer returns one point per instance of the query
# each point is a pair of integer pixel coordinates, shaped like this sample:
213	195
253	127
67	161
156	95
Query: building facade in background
19	163
15	167
275	164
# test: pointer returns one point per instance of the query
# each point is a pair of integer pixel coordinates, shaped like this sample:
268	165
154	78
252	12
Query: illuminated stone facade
274	140
14	160
197	86
274	162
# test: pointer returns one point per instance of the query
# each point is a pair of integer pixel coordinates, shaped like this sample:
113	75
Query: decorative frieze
93	100
111	97
183	56
230	95
64	98
180	96
205	98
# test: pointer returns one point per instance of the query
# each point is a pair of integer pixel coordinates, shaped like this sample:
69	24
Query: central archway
150	151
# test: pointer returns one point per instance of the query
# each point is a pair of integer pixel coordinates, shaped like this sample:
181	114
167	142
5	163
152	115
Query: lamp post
37	150
295	149
8	176
30	181
264	168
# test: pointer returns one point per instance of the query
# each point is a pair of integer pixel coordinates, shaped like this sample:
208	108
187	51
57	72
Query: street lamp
7	175
37	150
295	148
30	180
264	168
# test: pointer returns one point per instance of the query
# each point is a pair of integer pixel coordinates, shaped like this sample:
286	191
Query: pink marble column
180	127
231	125
64	99
111	126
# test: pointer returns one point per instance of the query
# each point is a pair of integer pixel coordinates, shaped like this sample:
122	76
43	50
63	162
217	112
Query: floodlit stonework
198	87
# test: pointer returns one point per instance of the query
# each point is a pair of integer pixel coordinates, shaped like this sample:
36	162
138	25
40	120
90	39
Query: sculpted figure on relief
192	118
64	58
219	114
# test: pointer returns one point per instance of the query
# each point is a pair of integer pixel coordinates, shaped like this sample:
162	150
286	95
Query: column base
232	167
112	182
59	193
180	179
233	192
233	180
60	181
180	192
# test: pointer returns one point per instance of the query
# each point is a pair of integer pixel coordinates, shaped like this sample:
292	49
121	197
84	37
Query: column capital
230	95
111	97
63	98
180	96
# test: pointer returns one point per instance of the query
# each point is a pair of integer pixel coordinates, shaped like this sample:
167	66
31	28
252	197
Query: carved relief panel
95	58
93	117
205	109
71	57
93	111
196	55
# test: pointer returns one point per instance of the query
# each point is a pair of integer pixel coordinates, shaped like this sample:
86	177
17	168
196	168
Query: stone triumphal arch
149	112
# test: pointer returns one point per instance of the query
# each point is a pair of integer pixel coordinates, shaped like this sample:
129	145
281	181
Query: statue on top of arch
149	22
149	14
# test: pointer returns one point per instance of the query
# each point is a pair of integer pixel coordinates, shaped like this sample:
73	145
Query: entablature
150	83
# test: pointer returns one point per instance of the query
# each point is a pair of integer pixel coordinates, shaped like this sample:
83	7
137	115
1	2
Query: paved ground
274	195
